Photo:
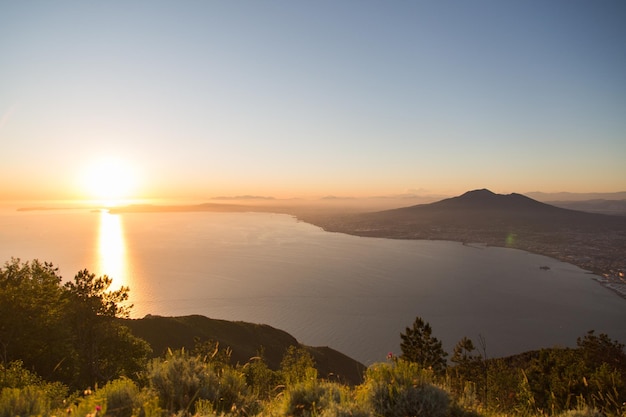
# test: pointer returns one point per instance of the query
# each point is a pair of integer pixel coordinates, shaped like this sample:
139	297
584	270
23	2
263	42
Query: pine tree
419	346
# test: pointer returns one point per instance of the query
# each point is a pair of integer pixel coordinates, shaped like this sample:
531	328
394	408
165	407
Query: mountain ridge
244	339
486	199
592	241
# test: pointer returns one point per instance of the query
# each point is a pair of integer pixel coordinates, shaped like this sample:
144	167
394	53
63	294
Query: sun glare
109	179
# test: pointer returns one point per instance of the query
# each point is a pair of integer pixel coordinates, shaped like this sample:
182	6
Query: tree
297	365
68	333
419	346
601	349
106	348
32	308
260	378
468	363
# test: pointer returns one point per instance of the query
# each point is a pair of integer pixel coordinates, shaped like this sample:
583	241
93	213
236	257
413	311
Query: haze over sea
353	294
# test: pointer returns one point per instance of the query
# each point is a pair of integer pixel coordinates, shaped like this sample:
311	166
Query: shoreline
599	253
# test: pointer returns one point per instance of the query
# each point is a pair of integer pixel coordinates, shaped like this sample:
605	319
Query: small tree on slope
419	346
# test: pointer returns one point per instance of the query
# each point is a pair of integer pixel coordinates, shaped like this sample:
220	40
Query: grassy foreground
67	348
202	383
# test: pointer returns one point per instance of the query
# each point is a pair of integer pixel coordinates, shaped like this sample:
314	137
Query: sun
109	179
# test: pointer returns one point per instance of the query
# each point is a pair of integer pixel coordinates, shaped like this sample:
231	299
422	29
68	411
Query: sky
305	99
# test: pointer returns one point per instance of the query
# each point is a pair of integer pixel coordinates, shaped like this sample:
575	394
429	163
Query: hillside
475	211
245	340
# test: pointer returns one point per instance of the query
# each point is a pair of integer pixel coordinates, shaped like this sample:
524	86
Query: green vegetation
65	351
420	346
66	333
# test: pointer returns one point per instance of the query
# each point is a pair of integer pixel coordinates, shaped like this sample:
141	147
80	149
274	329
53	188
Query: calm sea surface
327	289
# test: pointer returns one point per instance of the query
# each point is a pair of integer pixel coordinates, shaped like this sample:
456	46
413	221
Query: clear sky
198	99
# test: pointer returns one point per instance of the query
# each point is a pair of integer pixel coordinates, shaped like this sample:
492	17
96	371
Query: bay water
353	294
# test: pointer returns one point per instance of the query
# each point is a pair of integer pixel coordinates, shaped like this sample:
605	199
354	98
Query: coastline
603	254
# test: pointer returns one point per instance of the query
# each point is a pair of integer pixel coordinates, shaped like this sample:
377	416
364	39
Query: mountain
482	210
595	242
244	339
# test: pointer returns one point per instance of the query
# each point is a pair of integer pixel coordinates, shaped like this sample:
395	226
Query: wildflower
390	356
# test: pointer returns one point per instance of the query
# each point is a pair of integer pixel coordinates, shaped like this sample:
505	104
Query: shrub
261	380
310	398
120	398
401	389
26	401
180	379
25	383
297	365
232	394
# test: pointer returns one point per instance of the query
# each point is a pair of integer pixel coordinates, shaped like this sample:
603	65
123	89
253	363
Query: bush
310	398
401	389
120	398
261	380
180	379
232	394
21	385
26	401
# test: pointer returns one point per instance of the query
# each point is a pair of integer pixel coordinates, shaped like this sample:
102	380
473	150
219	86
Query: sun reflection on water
112	249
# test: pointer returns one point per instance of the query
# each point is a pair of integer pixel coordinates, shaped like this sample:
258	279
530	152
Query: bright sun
109	179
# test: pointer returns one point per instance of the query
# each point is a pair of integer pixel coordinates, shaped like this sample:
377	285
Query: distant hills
604	203
244	339
478	210
595	242
612	207
563	196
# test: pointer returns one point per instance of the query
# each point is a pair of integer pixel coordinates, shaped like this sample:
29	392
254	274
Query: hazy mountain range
478	210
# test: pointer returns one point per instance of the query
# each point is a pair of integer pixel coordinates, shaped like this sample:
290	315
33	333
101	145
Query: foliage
24	381
69	332
297	366
210	351
26	401
32	319
105	348
420	346
469	366
311	397
402	388
558	379
181	380
120	398
13	375
262	381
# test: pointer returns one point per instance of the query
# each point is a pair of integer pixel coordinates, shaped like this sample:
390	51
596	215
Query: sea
353	294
